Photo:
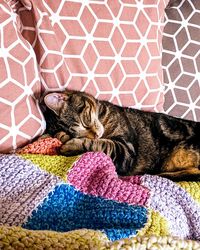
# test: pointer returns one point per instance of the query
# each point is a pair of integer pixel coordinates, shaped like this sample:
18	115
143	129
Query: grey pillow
181	59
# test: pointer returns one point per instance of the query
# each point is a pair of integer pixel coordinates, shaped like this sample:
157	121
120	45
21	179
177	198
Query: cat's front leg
118	151
74	146
62	136
81	145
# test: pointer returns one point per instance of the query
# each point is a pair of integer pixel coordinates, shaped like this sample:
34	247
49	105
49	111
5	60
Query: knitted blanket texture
49	201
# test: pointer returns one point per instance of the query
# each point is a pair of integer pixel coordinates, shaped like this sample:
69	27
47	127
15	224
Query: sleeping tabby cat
137	141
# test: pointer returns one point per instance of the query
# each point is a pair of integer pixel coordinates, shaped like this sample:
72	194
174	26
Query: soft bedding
49	201
41	190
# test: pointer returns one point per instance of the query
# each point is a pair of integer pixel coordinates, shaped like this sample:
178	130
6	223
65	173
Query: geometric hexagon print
20	117
111	49
181	60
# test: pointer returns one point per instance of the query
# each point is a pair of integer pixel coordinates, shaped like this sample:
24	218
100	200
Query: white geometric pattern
20	116
108	48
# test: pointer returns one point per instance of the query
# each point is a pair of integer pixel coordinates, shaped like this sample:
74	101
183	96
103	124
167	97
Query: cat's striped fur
137	141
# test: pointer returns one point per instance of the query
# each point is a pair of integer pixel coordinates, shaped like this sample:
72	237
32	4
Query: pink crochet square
94	173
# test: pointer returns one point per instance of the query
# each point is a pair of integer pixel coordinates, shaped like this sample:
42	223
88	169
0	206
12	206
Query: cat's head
77	113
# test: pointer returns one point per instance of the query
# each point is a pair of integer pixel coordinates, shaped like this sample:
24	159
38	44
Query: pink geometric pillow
20	117
111	49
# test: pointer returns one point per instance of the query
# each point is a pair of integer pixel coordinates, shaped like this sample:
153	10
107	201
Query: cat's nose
99	134
96	134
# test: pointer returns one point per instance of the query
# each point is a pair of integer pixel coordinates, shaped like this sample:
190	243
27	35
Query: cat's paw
74	146
62	136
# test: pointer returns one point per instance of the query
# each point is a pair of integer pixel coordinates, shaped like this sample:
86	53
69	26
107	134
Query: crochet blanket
80	203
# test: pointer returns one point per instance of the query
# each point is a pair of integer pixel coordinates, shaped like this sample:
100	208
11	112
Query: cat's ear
55	101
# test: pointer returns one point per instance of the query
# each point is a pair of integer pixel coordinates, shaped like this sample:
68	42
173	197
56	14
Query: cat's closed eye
87	118
80	107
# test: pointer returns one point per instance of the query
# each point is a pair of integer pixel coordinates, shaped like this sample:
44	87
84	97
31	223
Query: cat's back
124	120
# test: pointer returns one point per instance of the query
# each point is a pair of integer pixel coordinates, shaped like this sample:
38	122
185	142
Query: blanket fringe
19	238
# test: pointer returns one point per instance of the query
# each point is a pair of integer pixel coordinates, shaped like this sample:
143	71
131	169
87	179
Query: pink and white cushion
111	49
20	116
